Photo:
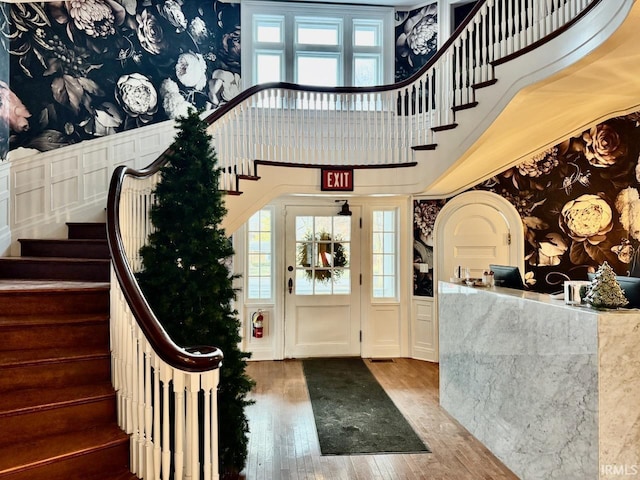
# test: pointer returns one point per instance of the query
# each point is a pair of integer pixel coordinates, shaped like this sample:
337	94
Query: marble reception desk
552	390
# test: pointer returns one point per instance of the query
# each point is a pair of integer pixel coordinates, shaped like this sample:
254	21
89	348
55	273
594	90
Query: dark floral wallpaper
88	68
579	202
424	219
416	39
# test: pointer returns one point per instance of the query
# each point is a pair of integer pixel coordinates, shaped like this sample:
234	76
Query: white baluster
157	433
484	44
178	453
148	414
166	375
192	470
502	25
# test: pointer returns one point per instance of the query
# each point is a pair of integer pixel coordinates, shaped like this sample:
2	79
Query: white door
475	236
322	275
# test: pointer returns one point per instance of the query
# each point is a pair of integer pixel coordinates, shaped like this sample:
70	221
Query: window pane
304	285
318	34
389	265
253	242
268	67
377	264
389	286
342	228
377	221
269	32
378	290
342	284
318	70
366	35
366	71
389	221
389	242
377	243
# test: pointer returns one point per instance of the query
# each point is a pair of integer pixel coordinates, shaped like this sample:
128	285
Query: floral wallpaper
416	39
424	219
579	202
5	103
88	68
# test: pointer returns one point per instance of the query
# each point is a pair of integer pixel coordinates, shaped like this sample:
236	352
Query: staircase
57	404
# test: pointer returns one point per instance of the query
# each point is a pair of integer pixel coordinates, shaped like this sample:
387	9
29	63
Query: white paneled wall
424	330
5	229
39	192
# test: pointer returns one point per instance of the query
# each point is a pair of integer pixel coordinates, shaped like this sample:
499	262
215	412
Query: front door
322	275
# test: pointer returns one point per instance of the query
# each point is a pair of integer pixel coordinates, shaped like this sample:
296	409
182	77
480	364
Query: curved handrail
191	360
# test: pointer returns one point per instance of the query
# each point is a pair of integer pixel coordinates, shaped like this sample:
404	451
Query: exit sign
337	179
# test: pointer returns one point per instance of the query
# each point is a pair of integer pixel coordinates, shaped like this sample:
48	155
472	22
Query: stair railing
373	126
166	395
285	123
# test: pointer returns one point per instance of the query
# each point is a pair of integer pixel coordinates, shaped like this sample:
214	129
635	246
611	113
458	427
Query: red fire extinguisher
258	324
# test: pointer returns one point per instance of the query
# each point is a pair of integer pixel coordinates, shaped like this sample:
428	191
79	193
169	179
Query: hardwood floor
283	444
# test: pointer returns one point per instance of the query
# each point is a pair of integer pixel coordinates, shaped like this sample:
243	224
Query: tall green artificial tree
186	278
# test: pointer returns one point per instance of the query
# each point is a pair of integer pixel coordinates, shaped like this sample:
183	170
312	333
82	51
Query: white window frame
248	299
396	255
348	13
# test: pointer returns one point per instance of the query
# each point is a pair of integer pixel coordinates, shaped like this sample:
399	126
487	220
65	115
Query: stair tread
56	259
80	241
52	319
8	285
46	450
31	400
50	355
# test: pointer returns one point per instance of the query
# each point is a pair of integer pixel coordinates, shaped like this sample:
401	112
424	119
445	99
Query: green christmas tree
187	280
605	291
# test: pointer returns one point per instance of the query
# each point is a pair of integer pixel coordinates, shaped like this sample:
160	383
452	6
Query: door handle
290	284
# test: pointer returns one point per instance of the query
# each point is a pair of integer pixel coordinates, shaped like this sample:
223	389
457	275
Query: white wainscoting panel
41	191
5	229
383	335
424	331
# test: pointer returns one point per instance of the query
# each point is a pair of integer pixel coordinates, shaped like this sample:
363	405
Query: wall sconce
345	208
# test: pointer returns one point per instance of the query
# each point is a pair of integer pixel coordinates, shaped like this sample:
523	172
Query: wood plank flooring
283	444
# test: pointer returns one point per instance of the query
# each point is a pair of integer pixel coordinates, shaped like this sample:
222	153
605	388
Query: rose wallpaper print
579	202
90	68
416	39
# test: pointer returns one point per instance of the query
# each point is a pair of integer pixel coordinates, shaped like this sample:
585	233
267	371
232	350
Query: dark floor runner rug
352	411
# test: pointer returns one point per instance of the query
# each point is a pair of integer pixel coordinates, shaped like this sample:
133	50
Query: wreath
330	260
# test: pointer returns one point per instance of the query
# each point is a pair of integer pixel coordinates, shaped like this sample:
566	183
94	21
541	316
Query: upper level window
313	44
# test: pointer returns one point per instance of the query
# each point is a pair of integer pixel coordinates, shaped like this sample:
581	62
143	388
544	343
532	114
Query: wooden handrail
192	360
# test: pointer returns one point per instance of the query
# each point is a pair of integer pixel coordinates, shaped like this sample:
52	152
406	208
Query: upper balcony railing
371	126
285	123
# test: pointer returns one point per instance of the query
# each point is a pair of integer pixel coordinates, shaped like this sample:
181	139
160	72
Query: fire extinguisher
257	321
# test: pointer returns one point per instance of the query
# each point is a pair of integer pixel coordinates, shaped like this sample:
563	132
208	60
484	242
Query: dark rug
353	413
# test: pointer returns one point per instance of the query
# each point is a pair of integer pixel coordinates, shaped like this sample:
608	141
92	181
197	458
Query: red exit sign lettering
337	179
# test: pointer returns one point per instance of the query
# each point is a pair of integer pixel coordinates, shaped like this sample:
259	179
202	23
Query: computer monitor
630	286
507	276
